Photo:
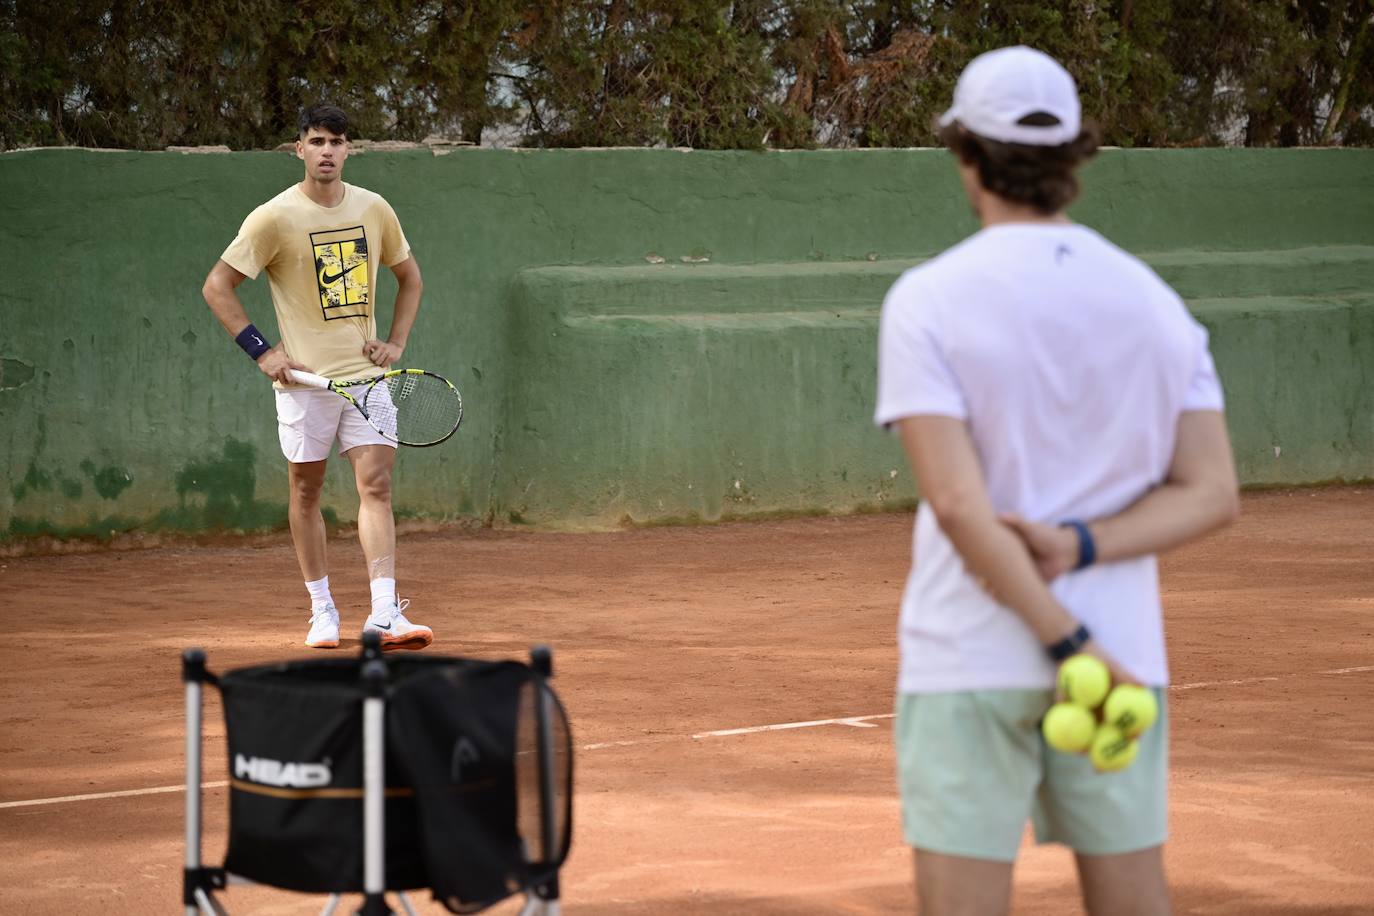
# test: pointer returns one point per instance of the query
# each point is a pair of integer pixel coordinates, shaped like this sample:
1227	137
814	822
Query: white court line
851	721
1236	683
855	721
1261	680
127	793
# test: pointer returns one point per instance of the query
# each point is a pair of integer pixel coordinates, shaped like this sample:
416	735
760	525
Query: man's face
324	153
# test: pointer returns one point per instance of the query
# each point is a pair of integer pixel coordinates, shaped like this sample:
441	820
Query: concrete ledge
825	285
710	288
1299	377
677	392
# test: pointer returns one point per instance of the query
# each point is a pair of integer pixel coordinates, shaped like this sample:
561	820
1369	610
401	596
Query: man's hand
1119	674
383	353
276	364
1054	549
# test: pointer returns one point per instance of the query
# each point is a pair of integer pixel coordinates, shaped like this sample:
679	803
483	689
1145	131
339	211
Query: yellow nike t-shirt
322	265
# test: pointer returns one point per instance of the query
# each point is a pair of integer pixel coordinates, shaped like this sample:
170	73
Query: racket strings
414	409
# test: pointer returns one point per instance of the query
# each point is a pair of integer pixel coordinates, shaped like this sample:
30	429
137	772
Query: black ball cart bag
381	774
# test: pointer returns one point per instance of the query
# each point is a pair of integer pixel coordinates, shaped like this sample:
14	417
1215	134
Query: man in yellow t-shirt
323	242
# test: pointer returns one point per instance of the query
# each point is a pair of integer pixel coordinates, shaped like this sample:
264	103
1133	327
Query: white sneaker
324	628
396	632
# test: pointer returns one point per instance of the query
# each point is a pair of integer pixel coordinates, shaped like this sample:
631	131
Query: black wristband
1087	548
1069	645
252	342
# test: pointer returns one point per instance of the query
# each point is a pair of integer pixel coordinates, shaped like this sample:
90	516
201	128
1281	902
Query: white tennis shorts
309	421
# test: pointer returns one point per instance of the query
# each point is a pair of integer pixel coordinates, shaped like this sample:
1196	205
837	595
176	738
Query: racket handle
301	377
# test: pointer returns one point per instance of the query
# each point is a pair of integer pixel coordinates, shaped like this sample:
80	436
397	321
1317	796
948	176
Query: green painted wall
761	379
601	386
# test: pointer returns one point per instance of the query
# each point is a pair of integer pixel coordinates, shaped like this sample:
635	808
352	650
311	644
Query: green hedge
147	74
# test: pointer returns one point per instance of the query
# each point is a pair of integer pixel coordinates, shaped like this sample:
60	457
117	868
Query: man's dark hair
328	117
1041	177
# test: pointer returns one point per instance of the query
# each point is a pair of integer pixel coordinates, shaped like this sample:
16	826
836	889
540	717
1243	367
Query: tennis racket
408	406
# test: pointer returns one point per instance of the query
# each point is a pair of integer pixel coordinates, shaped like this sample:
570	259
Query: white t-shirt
1070	361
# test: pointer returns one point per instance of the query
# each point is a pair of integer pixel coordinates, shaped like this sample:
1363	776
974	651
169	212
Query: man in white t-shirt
1063	418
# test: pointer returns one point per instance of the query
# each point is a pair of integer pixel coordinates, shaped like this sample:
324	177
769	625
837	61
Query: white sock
383	594
319	593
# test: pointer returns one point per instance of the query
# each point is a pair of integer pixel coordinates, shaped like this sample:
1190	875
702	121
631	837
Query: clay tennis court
666	638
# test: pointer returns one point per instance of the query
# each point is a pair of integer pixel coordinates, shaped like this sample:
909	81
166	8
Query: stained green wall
599	385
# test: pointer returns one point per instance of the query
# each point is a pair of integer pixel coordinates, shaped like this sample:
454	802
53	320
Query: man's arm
1199	495
946	466
409	285
220	292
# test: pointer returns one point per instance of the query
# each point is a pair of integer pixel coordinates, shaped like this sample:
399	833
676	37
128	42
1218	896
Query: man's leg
307	524
1116	823
960	886
306	425
372	467
1129	884
968	763
308	535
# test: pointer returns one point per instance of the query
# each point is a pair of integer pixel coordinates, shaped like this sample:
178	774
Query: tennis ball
1084	680
1068	728
1131	709
1111	750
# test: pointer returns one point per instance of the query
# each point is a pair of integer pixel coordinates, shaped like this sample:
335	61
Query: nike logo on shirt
330	279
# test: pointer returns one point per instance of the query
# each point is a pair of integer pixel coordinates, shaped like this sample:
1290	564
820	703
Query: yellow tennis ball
1084	680
1111	750
1131	709
1068	727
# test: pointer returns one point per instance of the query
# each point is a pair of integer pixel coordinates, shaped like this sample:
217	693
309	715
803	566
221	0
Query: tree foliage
699	73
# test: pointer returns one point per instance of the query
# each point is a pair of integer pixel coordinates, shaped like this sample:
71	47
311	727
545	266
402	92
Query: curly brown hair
1041	177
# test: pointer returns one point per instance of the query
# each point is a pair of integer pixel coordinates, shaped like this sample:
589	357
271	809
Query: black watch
1069	645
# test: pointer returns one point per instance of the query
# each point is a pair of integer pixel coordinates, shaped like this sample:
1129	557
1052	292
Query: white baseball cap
999	88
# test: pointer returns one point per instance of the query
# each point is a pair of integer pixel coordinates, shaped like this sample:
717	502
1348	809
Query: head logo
464	754
283	775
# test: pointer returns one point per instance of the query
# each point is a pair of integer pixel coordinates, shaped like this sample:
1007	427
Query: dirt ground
664	635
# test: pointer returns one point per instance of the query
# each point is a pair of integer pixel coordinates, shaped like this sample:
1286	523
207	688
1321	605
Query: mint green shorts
973	768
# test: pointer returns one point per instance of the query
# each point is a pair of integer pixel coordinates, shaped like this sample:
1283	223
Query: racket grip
302	377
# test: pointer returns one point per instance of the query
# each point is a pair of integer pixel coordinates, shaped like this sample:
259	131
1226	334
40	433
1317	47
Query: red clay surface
663	634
